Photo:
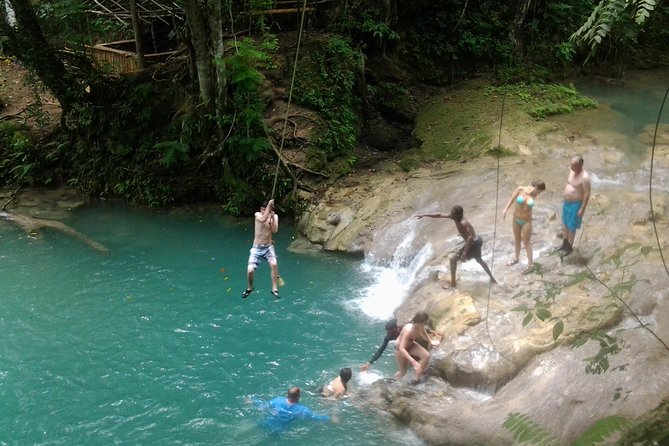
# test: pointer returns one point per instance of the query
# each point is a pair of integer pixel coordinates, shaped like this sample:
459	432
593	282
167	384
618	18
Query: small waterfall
393	265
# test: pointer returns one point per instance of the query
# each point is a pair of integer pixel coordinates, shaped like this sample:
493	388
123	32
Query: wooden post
139	47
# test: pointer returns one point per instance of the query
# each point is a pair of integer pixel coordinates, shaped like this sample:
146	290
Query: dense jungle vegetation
209	124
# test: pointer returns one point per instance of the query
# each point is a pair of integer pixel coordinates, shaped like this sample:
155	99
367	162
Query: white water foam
636	181
391	280
366	379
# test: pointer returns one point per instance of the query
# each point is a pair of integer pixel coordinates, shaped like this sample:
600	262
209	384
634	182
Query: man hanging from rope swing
266	221
266	224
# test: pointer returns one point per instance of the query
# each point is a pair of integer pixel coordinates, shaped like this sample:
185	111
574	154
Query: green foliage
366	22
450	38
526	431
67	22
543	100
261	5
652	429
241	66
388	94
609	14
326	83
602	430
173	152
410	161
608	346
542	309
545	36
143	190
517	72
24	160
133	149
16	147
123	141
34	109
123	149
378	30
247	146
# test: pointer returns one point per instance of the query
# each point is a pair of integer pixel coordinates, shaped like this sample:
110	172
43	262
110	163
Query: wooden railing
286	7
117	62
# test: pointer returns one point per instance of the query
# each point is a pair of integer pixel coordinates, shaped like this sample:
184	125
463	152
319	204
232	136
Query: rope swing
494	233
290	97
650	183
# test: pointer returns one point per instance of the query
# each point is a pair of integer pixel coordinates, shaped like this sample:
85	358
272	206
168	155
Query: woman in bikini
524	197
409	351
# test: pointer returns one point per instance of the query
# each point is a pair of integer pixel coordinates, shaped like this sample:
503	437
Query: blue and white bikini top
520	200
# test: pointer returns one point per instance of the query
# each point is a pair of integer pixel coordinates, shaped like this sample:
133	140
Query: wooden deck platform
119	58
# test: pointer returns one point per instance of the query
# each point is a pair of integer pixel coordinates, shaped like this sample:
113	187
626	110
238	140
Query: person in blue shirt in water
285	410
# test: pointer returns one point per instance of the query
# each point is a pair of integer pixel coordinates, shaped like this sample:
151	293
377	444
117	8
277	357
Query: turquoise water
637	101
153	344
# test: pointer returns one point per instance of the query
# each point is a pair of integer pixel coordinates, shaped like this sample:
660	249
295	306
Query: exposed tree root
31	224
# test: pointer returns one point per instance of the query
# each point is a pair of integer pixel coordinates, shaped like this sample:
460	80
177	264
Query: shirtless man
575	199
266	224
473	242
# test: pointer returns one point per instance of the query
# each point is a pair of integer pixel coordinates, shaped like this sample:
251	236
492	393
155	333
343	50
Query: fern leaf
173	152
601	430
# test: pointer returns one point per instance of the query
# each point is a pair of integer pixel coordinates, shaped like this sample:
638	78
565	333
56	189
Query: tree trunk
28	43
516	32
219	64
7	13
195	17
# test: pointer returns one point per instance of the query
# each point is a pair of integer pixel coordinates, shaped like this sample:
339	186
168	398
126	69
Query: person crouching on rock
409	351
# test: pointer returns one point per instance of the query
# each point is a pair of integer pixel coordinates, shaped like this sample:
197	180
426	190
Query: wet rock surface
559	344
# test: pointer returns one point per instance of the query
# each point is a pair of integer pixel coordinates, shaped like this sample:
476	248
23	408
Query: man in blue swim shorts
266	224
575	199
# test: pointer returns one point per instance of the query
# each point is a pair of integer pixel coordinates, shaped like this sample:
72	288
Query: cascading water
393	275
